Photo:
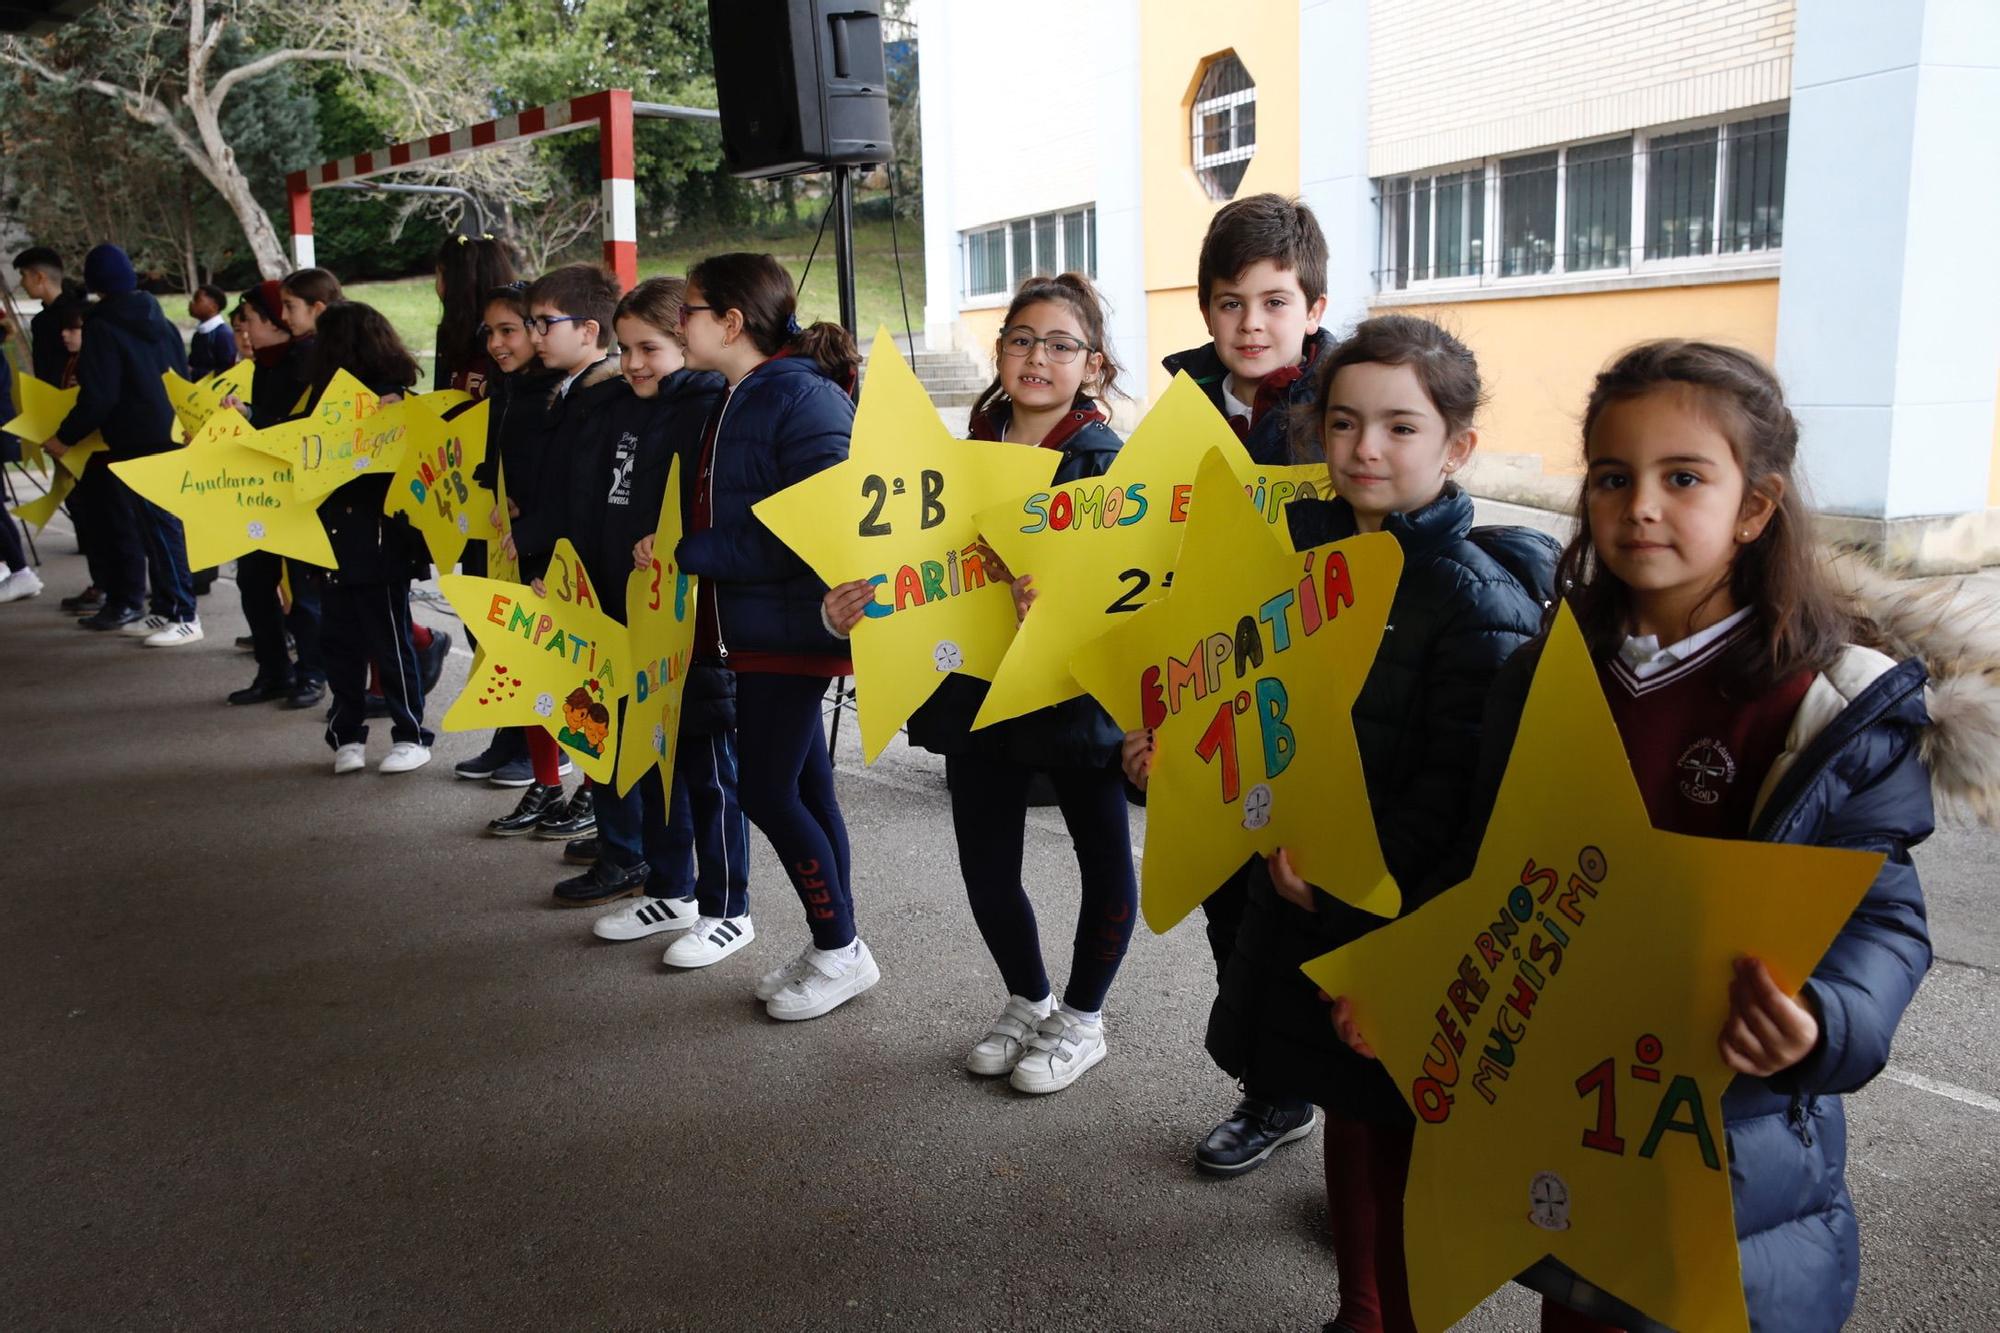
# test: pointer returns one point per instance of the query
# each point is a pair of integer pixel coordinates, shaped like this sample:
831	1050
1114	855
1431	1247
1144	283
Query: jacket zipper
708	482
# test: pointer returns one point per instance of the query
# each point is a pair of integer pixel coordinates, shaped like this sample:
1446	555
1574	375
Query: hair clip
792	325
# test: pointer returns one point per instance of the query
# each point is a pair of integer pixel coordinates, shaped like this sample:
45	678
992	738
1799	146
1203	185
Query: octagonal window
1224	126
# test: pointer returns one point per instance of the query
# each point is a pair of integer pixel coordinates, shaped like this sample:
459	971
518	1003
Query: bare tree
182	93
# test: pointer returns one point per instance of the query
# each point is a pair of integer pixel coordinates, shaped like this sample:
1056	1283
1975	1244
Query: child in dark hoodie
128	343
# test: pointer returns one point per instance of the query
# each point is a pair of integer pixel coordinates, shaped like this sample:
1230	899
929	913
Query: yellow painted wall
1176	40
1538	354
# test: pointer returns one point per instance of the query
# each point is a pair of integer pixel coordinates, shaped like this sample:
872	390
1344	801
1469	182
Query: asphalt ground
286	1051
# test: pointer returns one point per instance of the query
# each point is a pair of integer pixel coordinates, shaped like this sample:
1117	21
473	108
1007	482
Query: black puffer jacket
1464	605
514	426
370	546
1075	733
567	421
127	343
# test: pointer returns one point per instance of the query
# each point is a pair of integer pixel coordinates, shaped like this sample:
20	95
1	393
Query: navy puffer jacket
783	422
1465	603
127	343
1076	733
1853	776
1269	442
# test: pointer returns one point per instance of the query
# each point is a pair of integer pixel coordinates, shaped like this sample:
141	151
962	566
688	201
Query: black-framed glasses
1060	348
687	310
545	323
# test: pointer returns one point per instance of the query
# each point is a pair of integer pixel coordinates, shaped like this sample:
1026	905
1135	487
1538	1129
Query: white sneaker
646	916
780	977
19	584
824	983
710	940
1006	1041
404	756
175	633
144	626
350	758
1058	1054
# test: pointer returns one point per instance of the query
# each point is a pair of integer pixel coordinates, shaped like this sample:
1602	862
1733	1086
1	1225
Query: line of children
787	414
1056	377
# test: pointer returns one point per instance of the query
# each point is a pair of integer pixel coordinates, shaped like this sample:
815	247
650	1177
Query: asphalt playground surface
285	1051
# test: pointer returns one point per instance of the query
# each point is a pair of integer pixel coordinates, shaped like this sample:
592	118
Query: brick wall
1454	80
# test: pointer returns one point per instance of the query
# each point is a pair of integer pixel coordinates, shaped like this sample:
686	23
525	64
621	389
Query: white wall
1451	80
1333	150
1888	308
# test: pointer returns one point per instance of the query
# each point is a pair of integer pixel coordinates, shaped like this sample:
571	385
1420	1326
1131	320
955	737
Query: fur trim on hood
1953	627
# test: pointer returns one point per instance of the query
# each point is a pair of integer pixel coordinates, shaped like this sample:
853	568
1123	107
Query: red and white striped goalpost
610	111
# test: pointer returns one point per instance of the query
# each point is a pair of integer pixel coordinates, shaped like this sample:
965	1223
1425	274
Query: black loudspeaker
801	84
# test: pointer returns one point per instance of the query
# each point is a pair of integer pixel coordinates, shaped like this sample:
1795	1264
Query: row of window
1607	206
998	257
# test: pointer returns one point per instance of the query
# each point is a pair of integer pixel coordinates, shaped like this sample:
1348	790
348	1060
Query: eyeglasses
1061	350
547	323
687	310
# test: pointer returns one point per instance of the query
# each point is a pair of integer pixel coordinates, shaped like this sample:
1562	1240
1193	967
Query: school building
1556	179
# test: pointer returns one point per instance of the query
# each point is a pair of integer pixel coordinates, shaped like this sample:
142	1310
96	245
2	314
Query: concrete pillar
1333	150
1889	304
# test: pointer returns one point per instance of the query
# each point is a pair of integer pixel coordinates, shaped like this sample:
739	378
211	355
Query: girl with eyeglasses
1055	379
785	415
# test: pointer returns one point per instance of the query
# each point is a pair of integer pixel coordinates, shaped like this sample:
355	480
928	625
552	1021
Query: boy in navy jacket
212	345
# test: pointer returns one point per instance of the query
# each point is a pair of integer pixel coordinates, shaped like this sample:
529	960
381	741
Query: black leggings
989	813
785	786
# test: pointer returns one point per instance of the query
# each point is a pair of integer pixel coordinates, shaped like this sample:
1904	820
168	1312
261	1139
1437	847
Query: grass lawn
411	303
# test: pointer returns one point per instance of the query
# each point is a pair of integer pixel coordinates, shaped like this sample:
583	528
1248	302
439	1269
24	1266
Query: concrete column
1333	150
1889	302
944	273
1121	229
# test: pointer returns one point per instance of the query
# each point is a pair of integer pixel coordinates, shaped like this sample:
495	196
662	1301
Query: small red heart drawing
517	684
482	703
500	671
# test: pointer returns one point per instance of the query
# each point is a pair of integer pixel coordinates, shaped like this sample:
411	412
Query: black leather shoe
111	617
430	661
86	603
1253	1131
306	694
575	820
602	883
582	852
261	691
536	802
505	745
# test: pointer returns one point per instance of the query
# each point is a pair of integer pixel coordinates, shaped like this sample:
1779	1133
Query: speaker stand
843	244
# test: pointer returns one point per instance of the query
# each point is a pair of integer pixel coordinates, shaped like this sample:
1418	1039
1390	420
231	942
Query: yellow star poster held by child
1247	671
346	434
434	487
901	512
42	409
550	659
1101	548
230	498
1553	1022
195	401
36	513
659	616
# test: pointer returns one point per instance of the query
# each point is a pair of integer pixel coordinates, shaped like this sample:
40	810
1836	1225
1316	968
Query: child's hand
541	589
1136	756
1288	884
1024	595
996	568
1343	1023
846	604
232	402
507	547
642	554
1768	1031
493	518
513	511
54	448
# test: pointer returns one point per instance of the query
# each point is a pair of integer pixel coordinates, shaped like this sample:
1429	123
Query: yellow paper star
901	512
1247	672
347	434
230	498
659	614
551	660
1100	548
42	409
1553	1022
195	401
434	486
36	513
500	565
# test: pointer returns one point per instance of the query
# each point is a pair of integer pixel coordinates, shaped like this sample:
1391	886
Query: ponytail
834	349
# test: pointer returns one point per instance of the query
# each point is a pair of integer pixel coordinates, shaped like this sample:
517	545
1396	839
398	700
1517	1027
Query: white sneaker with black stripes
709	941
647	916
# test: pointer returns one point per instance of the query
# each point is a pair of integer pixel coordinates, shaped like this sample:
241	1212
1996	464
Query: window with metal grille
1678	196
999	256
1224	126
